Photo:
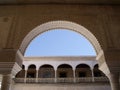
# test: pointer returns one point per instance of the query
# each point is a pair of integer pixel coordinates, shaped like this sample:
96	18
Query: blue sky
60	42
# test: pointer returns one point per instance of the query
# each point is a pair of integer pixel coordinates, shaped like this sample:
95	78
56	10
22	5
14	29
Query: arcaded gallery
59	45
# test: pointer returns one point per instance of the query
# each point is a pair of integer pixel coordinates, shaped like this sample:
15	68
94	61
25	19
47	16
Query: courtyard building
23	20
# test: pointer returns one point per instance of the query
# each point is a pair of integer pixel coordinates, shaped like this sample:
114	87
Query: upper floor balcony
62	80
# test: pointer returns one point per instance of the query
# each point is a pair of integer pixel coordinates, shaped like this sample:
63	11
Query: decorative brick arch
60	25
70	26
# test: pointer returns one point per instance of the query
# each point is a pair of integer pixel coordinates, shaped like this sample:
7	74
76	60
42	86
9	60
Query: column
37	75
92	71
74	76
25	76
6	82
55	76
114	80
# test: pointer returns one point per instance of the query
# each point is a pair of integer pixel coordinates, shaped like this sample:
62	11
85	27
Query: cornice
6	67
9	68
56	58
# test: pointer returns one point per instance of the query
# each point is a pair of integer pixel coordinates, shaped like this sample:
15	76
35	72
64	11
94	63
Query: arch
70	26
46	65
59	42
60	25
21	73
97	72
96	65
82	64
83	70
32	66
66	66
46	71
64	71
31	72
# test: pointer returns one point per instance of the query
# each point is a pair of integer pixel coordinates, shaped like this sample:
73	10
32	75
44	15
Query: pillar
74	76
114	81
55	76
37	75
25	76
6	82
92	71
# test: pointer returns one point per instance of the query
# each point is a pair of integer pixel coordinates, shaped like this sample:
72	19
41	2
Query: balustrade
101	79
46	80
65	80
84	79
61	80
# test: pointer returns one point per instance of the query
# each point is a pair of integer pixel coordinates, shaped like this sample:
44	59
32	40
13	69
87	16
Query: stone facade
100	24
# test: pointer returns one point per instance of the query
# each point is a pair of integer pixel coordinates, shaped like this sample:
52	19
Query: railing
65	80
101	79
19	80
83	80
46	80
61	80
30	80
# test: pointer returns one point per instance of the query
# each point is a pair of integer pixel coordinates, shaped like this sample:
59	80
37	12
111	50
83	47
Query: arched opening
69	26
21	74
46	71
60	25
31	72
83	70
64	71
97	72
59	42
99	76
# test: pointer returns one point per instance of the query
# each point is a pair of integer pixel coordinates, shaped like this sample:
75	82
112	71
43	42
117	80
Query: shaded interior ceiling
113	2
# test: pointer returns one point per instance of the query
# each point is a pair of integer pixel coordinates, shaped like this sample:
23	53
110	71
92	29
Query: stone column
25	76
74	76
6	82
37	75
92	71
114	80
55	76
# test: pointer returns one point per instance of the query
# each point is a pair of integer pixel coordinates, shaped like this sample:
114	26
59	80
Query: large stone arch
70	26
60	25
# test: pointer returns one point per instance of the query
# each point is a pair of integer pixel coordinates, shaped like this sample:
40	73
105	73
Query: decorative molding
104	68
57	61
60	25
100	57
16	69
20	55
9	68
6	67
19	58
59	58
100	54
